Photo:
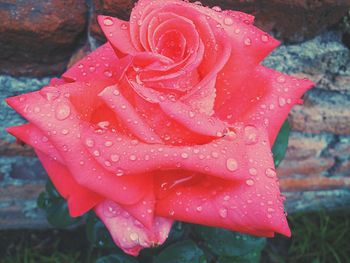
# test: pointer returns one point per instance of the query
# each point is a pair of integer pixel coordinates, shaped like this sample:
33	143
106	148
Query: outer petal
60	113
253	206
129	234
80	200
268	98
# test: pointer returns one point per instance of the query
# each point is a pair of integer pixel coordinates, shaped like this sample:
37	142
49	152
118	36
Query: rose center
172	44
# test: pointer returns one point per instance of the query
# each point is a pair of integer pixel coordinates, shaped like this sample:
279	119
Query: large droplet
62	111
50	93
250	135
108	21
231	164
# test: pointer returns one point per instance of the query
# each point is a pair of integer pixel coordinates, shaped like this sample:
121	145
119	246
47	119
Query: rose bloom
172	119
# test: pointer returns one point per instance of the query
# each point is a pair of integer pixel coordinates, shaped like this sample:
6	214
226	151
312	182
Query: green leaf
55	207
222	242
182	252
252	257
97	232
116	258
281	143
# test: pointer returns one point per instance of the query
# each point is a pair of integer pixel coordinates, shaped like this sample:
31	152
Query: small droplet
133	157
250	135
281	101
223	212
250	182
247	41
96	153
184	155
270	210
217	8
36	109
264	38
114	158
108	73
281	79
215	154
199	208
116	92
108	21
231	164
253	171
89	143
62	111
64	131
271	173
171	212
124	26
108	143
134	236
119	172
228	21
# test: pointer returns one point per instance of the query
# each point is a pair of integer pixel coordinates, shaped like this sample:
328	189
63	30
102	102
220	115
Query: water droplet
171	212
134	236
50	93
253	171
199	208
281	101
247	41
89	143
223	212
108	143
36	109
215	154
264	38
250	135
116	92
92	68
124	26
270	210
217	8
44	139
108	73
62	111
191	114
228	21
271	173
226	197
96	153
231	164
133	157
184	155
64	131
108	21
119	172
281	79
108	164
114	158
249	182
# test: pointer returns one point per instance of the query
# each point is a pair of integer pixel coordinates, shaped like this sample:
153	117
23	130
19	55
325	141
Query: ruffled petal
61	123
127	232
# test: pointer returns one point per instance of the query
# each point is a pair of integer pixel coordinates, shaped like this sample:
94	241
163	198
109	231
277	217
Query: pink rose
172	119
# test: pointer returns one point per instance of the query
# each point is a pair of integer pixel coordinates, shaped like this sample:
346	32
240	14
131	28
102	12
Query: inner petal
172	44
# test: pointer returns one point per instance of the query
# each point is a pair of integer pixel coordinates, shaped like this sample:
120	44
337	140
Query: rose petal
60	113
80	200
129	234
118	34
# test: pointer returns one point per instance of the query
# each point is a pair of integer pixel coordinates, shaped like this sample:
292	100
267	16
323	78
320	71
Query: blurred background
39	39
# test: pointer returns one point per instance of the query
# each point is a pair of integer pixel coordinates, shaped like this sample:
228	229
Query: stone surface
38	37
291	20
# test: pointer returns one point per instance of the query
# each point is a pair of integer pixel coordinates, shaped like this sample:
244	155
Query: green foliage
281	143
55	208
116	258
182	252
230	246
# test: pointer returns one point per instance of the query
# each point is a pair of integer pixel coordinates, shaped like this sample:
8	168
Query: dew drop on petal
231	164
108	21
134	236
250	135
199	208
184	155
264	38
271	173
114	158
133	157
253	171
247	41
96	153
62	111
124	26
89	143
223	212
228	21
250	182
217	8
281	101
119	172
108	143
64	131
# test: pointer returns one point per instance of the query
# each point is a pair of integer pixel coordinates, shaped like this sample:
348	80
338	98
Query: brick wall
39	38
